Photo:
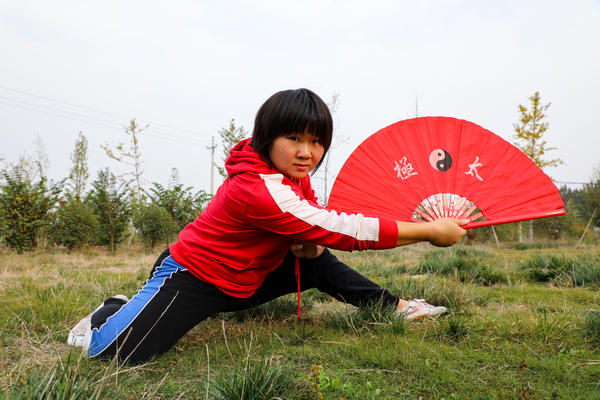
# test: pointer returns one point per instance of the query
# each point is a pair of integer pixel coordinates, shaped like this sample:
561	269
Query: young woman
242	250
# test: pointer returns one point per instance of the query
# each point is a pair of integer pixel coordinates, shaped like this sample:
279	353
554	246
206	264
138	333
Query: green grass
507	334
466	264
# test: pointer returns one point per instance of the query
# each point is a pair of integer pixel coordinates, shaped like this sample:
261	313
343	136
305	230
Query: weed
301	334
591	327
61	382
280	308
551	327
465	264
256	381
526	391
368	316
321	382
447	293
454	327
543	268
537	245
576	271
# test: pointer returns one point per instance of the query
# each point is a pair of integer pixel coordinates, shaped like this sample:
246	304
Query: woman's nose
303	151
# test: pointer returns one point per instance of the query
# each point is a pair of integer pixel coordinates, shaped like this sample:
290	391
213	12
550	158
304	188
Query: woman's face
296	154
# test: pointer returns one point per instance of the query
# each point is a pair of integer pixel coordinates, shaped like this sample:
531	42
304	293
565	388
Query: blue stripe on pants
117	323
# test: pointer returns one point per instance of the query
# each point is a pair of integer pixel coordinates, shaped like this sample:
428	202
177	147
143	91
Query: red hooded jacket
248	227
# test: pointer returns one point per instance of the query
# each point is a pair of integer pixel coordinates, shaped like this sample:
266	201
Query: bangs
305	115
292	111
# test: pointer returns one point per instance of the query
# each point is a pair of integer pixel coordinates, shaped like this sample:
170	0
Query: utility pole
416	106
212	148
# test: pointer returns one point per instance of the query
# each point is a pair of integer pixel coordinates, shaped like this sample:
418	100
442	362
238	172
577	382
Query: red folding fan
427	168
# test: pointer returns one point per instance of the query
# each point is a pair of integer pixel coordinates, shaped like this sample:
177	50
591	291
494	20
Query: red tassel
297	268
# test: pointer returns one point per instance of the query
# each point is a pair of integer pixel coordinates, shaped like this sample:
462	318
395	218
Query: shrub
74	225
24	208
154	224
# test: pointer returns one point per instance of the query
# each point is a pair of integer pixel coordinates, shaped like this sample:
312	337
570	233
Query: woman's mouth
301	167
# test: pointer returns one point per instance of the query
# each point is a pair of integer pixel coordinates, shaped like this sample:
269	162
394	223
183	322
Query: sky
184	69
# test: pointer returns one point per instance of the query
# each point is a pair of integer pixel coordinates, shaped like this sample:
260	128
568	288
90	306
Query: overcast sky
187	67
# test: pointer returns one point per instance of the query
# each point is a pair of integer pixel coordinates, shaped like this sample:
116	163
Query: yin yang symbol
440	160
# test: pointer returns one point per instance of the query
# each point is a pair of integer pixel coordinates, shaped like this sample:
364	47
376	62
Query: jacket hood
243	158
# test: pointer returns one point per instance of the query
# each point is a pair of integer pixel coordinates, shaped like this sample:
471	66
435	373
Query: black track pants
173	301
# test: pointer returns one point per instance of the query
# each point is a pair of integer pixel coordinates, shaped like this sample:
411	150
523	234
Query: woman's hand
447	231
306	250
442	232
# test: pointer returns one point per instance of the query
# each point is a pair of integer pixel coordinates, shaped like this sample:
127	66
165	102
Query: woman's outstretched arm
442	232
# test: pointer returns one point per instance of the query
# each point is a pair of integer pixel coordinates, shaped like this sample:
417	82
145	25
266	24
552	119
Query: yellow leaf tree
529	137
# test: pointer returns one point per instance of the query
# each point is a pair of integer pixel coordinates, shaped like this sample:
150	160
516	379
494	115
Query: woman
242	250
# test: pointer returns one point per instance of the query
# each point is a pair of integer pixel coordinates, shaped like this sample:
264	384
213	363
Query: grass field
523	324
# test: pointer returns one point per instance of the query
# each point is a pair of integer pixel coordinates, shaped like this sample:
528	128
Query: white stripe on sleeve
355	225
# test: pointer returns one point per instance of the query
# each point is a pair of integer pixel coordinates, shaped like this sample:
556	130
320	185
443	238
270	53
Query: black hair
291	111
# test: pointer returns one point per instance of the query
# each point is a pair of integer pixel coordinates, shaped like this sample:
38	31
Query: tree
25	207
79	174
41	155
110	205
180	202
230	136
131	156
529	132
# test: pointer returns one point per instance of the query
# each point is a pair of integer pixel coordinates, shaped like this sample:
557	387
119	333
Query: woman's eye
294	138
315	141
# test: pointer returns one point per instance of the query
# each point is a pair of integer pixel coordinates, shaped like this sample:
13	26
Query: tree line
35	211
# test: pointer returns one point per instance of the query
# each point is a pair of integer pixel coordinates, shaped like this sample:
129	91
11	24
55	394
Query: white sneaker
81	334
419	308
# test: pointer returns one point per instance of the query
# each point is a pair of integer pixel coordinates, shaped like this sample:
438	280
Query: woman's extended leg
326	273
171	303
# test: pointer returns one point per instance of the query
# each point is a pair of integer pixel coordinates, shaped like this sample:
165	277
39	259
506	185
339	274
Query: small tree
590	200
230	136
25	207
110	205
337	140
529	132
79	174
74	225
131	156
154	224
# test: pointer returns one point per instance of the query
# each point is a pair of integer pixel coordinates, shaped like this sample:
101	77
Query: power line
100	111
92	120
114	125
572	183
